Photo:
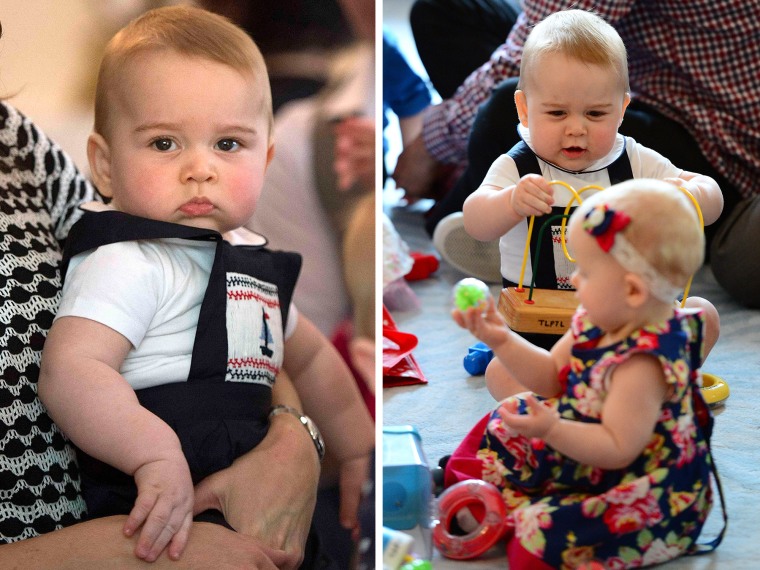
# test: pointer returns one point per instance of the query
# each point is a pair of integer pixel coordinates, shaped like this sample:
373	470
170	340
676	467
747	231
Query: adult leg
493	133
455	37
733	255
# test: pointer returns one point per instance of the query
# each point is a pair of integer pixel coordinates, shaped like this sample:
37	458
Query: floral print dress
565	512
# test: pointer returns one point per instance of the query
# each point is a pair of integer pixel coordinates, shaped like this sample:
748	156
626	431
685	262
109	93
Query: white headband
606	225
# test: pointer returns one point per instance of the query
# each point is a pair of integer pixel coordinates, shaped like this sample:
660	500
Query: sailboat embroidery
266	336
255	341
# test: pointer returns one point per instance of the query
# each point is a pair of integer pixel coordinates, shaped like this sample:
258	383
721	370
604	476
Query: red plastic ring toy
491	528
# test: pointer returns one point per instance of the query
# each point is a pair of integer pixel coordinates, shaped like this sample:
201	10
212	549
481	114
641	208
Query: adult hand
214	546
270	492
355	153
416	171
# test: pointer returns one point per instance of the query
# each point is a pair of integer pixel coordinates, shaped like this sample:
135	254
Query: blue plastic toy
407	484
478	357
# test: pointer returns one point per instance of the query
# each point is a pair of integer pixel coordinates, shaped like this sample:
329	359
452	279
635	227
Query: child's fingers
533	404
534	195
156	533
511	405
458	317
164	522
513	420
139	513
179	541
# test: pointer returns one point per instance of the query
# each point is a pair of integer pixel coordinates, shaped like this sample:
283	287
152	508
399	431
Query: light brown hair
577	34
188	31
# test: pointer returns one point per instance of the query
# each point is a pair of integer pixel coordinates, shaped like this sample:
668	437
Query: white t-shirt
159	318
645	163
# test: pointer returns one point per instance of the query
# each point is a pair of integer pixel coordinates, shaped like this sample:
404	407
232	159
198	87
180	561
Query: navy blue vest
527	163
216	420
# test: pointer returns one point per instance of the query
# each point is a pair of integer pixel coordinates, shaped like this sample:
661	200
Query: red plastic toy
424	265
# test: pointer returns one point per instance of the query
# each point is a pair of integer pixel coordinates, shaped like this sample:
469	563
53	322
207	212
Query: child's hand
689	185
675	181
164	508
540	420
353	475
532	196
488	327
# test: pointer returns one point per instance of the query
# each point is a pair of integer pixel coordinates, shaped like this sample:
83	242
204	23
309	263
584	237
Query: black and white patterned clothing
40	190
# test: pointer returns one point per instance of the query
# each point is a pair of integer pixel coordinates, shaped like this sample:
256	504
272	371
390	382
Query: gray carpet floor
445	408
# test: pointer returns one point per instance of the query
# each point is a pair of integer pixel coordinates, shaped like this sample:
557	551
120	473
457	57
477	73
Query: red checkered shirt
697	63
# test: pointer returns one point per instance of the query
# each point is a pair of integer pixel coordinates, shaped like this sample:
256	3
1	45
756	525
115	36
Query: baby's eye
597	114
163	144
557	113
227	145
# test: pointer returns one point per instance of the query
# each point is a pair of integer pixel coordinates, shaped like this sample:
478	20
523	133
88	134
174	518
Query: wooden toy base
550	312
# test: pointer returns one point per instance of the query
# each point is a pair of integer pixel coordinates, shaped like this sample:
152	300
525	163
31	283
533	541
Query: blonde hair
664	227
188	31
577	34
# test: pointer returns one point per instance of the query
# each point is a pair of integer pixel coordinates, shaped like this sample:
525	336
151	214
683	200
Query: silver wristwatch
307	422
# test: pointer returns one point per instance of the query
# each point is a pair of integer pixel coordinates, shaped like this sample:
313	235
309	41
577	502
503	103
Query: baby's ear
626	101
522	107
636	290
99	157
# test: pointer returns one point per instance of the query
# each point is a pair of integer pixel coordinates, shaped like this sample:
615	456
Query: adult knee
733	254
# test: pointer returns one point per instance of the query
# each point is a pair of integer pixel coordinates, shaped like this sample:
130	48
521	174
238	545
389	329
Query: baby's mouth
197	207
573	151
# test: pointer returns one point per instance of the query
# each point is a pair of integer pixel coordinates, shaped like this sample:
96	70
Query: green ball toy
470	292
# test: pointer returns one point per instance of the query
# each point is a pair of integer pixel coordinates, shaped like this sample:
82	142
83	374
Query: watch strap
306	422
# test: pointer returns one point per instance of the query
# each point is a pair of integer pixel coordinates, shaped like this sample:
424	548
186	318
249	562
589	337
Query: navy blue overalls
544	271
217	420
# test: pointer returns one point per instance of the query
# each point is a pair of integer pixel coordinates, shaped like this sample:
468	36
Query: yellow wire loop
691	197
576	196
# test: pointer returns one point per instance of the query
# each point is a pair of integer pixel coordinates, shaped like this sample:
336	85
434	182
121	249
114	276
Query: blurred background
50	52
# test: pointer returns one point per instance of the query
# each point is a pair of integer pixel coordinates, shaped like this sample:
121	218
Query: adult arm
278	508
49	169
99	543
355	153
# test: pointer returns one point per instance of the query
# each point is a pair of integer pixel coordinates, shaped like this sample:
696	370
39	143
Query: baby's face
188	142
573	110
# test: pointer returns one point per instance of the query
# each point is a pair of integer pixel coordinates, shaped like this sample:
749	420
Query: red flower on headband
603	223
